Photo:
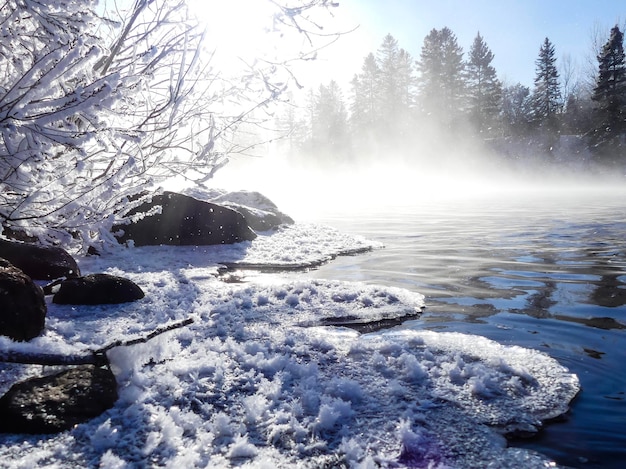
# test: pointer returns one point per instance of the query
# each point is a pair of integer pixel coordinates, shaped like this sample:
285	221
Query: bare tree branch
96	357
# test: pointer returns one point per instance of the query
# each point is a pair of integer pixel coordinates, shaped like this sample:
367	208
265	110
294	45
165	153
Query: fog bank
307	191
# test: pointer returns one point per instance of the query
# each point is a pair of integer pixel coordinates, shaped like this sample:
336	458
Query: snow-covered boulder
260	213
22	304
176	219
39	262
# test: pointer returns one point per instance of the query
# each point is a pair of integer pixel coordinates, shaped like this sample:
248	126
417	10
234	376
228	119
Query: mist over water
308	191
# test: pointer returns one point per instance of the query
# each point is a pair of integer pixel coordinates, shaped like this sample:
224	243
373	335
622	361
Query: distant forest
397	104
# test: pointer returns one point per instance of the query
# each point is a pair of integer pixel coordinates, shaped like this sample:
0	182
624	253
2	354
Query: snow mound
298	246
260	379
317	302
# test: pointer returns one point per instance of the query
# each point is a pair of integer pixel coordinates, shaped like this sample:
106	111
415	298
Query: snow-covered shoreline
255	381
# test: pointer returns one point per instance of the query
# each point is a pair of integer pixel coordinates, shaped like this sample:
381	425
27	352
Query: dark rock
97	289
92	251
16	234
39	262
57	402
22	304
185	221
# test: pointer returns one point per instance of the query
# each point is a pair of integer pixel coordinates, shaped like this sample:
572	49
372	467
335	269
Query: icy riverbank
255	381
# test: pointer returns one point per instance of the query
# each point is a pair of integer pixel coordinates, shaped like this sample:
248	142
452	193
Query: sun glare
238	29
239	32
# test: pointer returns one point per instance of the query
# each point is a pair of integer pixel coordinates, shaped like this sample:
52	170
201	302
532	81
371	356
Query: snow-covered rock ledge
287	247
264	377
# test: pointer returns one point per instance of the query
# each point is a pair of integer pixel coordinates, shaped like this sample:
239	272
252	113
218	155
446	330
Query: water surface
541	270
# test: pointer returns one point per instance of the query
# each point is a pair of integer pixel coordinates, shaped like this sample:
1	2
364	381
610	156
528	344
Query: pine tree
406	79
516	109
292	126
395	87
484	90
609	93
365	104
329	123
441	80
546	97
382	97
387	60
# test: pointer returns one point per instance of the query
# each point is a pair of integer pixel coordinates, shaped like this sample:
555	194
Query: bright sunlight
238	30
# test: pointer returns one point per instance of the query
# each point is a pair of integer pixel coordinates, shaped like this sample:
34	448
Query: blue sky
514	30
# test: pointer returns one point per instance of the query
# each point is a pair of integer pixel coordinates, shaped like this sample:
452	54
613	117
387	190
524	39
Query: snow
261	378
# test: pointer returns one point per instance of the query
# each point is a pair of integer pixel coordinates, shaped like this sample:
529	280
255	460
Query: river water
541	270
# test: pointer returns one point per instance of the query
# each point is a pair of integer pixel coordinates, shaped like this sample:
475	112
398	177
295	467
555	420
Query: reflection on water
543	271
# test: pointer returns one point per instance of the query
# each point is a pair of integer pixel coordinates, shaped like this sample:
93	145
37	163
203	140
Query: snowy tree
55	116
546	97
484	90
441	81
95	108
609	93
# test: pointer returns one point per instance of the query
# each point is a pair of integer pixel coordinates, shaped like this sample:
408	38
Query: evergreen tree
516	109
405	93
394	87
484	90
609	93
406	79
382	96
365	104
292	126
441	80
387	60
329	122
577	116
546	98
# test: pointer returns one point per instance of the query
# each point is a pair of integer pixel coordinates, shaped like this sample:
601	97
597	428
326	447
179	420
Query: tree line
397	103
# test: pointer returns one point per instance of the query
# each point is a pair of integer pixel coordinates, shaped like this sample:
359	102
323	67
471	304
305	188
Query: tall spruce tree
609	93
387	59
546	98
406	79
382	97
484	90
441	81
329	122
395	86
365	104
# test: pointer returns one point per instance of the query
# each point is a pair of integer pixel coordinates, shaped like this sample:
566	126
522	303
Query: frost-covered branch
96	357
98	107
